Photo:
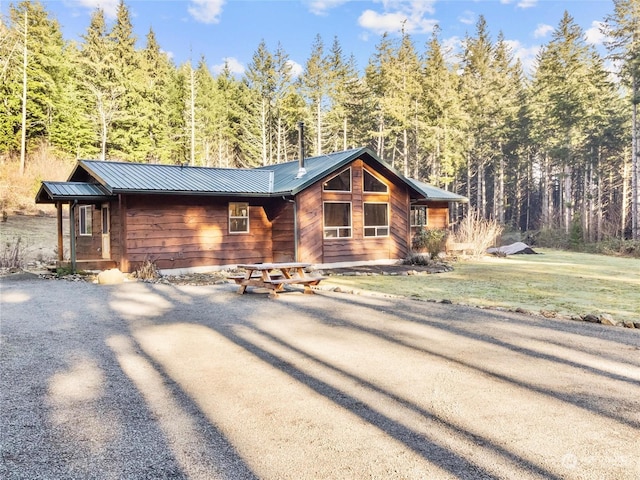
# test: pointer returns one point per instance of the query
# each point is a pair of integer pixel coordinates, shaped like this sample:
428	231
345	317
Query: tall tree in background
377	76
283	88
479	99
442	120
154	114
261	77
99	80
314	86
39	74
128	132
623	32
562	85
404	105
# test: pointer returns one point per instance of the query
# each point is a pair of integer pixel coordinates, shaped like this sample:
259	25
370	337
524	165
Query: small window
373	184
376	219
238	217
105	219
339	183
337	220
418	216
84	219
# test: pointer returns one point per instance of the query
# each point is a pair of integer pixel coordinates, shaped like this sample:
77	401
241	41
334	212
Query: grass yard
566	283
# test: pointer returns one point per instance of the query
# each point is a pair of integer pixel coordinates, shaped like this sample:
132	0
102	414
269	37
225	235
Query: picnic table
274	276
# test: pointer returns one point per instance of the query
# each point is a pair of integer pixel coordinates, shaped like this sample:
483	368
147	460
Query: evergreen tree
261	78
102	91
442	126
623	31
314	87
127	131
479	99
153	115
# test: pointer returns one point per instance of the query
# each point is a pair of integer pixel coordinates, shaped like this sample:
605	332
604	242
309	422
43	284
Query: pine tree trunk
635	169
23	140
545	190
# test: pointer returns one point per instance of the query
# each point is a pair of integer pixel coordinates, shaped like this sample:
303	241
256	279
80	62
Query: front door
106	240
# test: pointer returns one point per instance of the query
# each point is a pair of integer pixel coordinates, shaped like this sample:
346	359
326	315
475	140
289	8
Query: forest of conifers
551	148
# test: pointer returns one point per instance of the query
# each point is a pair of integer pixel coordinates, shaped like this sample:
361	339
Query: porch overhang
69	192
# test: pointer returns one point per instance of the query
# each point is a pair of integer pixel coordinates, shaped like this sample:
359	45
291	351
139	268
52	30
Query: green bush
431	240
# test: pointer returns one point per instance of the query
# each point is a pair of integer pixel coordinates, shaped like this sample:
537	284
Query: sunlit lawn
563	282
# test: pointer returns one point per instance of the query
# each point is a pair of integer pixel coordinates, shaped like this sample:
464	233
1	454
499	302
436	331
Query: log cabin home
348	207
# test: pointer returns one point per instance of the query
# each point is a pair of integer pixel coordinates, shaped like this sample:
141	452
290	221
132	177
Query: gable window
419	216
337	220
376	219
238	217
339	183
373	184
84	219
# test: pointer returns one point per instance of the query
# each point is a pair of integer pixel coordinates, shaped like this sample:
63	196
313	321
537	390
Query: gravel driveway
143	381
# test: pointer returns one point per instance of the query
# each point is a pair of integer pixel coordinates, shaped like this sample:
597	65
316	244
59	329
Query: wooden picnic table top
272	266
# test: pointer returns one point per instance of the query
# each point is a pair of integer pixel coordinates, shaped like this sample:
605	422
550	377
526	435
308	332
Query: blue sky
231	30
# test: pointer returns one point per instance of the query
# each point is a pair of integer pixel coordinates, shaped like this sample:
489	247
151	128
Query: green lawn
567	283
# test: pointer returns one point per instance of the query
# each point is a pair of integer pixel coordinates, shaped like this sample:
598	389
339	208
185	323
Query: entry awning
53	192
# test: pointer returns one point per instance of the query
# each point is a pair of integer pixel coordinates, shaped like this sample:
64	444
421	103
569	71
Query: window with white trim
337	219
339	183
419	216
376	219
372	184
238	217
85	219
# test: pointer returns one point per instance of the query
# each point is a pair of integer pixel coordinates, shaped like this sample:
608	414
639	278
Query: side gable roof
127	177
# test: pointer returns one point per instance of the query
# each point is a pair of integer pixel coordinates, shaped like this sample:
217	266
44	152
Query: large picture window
337	220
419	216
376	219
84	219
373	184
238	217
339	183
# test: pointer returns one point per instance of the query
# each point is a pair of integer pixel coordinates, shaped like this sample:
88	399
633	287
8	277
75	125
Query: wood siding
358	248
182	232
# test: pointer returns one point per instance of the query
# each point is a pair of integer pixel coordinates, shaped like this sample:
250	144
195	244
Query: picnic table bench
274	276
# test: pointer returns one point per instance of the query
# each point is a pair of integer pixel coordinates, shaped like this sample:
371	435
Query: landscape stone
591	317
110	277
607	319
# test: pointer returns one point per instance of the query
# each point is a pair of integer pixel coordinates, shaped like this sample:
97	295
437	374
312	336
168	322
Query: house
347	206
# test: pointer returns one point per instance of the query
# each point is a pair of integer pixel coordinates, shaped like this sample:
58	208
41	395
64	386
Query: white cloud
321	7
399	13
110	7
452	48
527	3
542	30
234	65
467	17
296	68
526	55
206	11
594	35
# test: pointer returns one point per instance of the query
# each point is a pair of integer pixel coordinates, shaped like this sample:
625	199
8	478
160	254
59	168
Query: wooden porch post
60	240
72	235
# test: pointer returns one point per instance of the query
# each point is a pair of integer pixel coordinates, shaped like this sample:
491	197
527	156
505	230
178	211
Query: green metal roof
68	191
437	194
272	180
124	177
287	180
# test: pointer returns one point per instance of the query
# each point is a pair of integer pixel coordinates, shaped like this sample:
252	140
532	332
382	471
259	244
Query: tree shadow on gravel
459	315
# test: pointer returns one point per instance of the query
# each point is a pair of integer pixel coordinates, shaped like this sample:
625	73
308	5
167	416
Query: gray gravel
143	381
